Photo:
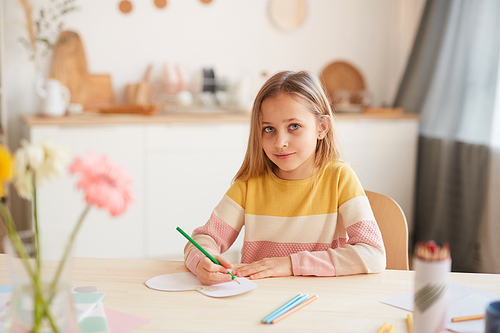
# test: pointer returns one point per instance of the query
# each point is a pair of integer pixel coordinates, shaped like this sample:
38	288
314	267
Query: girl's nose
281	141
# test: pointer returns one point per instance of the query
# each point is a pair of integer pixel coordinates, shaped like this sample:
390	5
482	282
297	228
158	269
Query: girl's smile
283	156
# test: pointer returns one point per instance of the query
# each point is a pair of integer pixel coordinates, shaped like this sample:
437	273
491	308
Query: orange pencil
292	310
457	319
382	329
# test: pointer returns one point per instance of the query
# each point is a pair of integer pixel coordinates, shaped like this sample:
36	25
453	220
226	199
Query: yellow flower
6	168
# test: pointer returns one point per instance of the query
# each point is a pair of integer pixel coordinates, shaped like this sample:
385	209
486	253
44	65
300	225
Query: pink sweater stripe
253	251
366	232
223	234
313	257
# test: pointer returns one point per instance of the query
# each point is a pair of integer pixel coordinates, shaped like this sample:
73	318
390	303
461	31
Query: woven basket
341	75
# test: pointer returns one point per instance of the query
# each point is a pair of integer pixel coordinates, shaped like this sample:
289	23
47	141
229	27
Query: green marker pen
205	252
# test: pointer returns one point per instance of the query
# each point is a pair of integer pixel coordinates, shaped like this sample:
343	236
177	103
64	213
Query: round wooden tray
341	75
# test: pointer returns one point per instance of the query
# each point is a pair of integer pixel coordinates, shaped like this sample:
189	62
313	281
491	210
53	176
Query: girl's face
289	136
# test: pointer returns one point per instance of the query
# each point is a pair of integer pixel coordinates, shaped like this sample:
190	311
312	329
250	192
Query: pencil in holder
432	265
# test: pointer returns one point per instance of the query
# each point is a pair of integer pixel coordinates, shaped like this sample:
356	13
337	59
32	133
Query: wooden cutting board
99	92
69	65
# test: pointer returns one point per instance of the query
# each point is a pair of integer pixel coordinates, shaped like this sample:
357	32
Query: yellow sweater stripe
320	194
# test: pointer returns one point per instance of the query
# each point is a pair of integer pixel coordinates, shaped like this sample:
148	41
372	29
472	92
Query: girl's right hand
209	273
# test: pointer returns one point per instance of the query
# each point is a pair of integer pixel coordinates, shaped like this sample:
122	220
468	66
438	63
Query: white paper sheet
464	301
188	281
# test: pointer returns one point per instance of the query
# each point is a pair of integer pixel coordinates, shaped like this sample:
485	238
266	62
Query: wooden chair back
392	223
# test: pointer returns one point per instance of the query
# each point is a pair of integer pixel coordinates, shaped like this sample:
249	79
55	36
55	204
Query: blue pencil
281	307
288	307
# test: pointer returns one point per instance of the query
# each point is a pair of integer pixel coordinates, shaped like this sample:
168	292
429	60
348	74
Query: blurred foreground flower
36	162
6	169
105	185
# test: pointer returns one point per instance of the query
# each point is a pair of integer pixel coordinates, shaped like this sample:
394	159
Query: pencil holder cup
431	295
493	317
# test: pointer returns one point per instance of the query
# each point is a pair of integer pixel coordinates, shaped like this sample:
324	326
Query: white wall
235	37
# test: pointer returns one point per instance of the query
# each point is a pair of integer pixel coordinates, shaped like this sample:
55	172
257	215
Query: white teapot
55	97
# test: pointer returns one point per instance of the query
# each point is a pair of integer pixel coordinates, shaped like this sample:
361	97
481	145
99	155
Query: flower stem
38	298
37	237
23	254
67	250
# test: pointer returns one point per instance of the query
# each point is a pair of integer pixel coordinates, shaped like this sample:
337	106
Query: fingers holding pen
209	273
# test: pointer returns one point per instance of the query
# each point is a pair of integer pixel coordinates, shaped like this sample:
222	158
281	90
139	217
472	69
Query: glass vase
42	300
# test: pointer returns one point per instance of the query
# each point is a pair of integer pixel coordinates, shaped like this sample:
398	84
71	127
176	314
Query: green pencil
205	252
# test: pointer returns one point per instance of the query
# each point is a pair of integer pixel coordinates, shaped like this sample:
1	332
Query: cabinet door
383	153
60	203
189	169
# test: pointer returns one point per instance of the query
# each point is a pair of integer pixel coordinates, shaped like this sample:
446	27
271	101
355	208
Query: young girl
304	211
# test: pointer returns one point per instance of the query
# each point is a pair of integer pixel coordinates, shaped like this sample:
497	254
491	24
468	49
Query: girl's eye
294	126
268	129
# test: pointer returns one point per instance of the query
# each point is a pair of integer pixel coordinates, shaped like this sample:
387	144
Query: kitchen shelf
186	117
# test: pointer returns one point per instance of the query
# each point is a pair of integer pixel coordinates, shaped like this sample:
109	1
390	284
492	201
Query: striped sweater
325	223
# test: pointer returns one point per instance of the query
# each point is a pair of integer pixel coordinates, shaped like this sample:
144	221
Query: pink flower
105	184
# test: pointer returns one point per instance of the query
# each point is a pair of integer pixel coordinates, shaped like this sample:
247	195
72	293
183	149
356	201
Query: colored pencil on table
409	323
457	319
391	329
264	320
382	329
288	307
298	307
205	252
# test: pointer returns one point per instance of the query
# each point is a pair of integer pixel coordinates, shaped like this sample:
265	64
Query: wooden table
346	304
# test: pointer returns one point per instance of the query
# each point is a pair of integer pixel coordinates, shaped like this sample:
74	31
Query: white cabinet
188	170
181	170
60	203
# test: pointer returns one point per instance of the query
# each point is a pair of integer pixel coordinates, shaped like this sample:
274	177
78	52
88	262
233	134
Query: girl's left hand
268	267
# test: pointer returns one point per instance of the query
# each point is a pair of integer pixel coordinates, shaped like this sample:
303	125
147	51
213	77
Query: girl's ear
324	126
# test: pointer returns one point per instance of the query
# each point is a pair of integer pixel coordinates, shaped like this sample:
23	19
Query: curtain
490	228
451	81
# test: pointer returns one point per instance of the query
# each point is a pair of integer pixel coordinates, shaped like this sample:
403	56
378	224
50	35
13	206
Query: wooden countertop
86	119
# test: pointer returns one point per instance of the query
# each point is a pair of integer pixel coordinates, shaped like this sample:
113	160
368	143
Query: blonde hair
306	86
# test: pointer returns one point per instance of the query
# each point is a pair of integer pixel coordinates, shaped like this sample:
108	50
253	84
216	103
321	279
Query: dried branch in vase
44	29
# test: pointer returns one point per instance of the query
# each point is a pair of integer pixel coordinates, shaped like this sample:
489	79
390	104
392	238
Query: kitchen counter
186	117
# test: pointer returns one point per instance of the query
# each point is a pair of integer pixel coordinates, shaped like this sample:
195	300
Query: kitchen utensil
140	93
170	78
209	80
69	65
55	98
100	92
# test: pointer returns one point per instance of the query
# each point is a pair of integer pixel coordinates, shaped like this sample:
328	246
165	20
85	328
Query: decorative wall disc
125	6
160	3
